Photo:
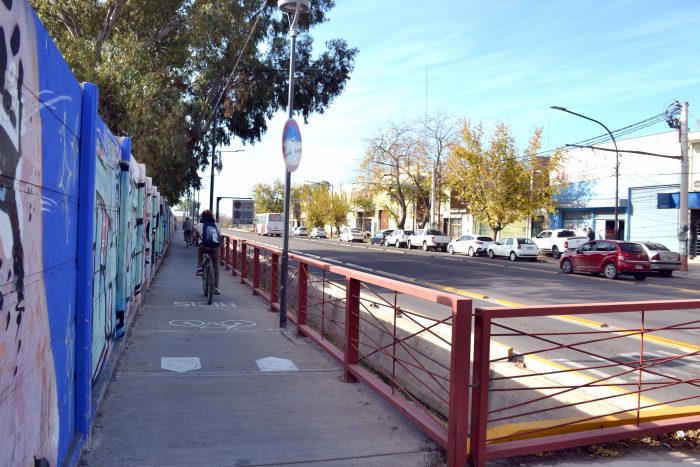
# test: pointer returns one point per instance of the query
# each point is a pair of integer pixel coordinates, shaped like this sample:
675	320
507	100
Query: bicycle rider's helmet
206	213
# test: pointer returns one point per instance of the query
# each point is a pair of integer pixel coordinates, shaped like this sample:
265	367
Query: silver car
661	259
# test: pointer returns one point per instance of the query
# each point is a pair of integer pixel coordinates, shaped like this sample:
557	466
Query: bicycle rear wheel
205	275
210	284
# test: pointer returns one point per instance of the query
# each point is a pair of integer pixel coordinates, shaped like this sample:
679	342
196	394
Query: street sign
243	212
291	145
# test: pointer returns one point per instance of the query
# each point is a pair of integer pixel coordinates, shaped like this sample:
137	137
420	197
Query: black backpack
210	235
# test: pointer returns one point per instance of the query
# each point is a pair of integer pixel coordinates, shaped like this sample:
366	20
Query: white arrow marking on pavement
180	364
276	364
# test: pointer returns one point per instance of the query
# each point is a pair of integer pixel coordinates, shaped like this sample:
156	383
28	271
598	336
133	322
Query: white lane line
357	266
670	354
331	260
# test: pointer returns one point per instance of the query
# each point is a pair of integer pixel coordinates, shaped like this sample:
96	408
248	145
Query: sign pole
287	183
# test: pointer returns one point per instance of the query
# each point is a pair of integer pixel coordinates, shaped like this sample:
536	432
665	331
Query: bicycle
208	277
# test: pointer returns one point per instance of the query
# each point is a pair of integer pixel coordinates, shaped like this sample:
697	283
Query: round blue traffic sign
291	145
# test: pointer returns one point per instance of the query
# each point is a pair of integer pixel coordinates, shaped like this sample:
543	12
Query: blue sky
618	62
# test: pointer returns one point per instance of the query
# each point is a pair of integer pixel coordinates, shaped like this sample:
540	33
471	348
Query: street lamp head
556	107
293	6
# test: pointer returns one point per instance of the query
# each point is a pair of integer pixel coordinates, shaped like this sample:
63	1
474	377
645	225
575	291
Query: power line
668	116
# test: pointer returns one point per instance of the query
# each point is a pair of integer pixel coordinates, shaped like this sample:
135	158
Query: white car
470	244
351	235
300	232
318	232
398	238
514	248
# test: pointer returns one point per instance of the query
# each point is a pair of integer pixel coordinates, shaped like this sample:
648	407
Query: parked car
661	259
351	235
557	241
470	244
300	232
318	232
398	238
427	239
514	248
610	257
378	237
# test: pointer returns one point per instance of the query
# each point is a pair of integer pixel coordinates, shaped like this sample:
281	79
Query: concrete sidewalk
234	411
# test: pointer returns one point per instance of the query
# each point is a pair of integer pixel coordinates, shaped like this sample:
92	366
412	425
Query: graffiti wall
53	336
105	245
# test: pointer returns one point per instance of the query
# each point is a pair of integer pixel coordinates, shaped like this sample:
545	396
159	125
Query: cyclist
209	233
187	229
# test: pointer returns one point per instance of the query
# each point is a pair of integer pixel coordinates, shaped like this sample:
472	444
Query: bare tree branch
67	18
108	25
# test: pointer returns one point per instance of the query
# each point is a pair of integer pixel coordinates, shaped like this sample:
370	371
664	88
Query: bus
269	224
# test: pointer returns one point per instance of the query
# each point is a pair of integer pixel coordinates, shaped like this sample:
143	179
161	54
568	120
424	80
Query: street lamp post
617	162
292	8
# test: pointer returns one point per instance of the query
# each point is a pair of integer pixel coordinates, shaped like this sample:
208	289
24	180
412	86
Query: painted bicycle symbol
231	324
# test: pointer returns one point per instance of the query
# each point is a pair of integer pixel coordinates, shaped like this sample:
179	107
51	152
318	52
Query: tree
316	202
386	168
438	131
339	209
269	197
497	185
188	206
364	204
168	70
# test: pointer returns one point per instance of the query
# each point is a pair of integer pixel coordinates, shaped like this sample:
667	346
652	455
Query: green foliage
269	197
163	68
316	204
339	209
498	186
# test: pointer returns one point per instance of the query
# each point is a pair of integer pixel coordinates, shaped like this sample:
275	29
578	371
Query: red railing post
480	391
458	416
227	251
352	326
234	256
256	268
244	261
302	292
274	280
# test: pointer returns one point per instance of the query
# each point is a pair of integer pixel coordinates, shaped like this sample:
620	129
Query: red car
610	257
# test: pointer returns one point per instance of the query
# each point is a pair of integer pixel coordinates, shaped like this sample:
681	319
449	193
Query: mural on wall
147	218
139	171
107	175
28	394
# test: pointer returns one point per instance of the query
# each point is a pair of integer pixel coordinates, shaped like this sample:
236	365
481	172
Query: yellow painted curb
539	429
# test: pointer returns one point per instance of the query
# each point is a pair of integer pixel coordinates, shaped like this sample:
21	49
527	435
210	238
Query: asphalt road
500	282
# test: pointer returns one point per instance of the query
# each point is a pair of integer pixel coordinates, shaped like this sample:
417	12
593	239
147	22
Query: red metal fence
378	330
368	324
594	395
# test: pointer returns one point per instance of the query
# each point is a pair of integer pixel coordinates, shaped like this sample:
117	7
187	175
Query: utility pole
683	208
213	161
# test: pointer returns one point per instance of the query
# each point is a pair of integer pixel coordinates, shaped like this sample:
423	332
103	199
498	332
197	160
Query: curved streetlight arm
617	160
